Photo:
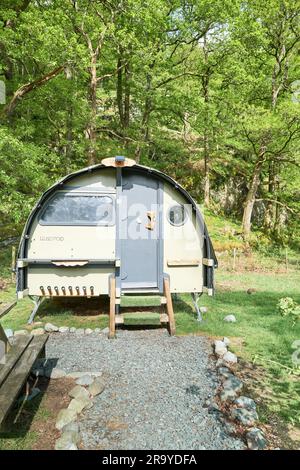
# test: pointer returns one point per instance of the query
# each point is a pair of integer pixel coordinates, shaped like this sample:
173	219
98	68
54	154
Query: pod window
177	215
75	209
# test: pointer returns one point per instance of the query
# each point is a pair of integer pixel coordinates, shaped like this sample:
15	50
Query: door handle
151	220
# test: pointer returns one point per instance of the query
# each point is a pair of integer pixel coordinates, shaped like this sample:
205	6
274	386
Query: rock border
50	328
236	411
88	385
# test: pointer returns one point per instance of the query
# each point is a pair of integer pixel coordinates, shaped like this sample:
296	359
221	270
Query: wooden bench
16	364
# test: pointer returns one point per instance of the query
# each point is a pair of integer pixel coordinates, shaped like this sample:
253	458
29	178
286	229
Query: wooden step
141	318
141	300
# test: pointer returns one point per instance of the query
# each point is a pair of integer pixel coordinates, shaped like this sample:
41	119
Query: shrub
288	307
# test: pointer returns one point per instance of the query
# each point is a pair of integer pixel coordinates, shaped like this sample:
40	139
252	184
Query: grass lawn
260	334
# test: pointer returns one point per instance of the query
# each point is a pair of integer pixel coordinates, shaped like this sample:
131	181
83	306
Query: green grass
260	334
5	262
16	434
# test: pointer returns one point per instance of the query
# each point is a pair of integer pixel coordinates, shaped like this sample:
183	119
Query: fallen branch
279	204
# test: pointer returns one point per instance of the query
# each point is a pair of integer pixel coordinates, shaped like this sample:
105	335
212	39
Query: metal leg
195	298
37	302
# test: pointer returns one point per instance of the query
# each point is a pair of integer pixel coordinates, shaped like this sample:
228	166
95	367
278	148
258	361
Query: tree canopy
206	91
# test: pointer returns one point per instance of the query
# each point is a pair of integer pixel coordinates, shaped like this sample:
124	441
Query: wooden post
170	311
234	258
112	307
13	263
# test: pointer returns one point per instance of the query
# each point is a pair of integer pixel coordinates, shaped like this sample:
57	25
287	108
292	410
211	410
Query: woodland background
207	91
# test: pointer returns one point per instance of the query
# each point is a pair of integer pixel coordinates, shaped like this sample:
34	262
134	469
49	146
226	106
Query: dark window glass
177	215
65	209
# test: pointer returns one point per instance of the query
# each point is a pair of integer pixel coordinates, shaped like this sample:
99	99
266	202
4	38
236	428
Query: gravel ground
156	394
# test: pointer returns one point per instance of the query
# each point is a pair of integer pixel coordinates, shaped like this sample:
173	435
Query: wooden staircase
142	300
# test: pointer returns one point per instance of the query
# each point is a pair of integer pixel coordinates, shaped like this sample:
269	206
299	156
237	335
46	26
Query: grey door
140	232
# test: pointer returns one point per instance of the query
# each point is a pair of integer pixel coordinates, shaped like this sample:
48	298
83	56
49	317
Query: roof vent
119	159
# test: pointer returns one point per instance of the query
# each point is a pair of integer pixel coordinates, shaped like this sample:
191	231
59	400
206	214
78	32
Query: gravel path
157	392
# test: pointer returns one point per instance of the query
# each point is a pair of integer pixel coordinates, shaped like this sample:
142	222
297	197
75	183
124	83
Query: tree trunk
91	127
127	95
252	191
206	172
205	86
120	92
145	120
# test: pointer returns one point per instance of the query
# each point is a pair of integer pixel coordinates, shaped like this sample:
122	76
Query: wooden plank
208	262
4	340
111	161
183	262
140	301
169	305
112	307
13	356
16	379
119	319
7	308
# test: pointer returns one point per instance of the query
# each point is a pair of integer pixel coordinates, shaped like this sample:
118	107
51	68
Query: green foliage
180	85
288	307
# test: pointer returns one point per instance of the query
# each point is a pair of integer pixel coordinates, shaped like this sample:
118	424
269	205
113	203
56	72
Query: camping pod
117	229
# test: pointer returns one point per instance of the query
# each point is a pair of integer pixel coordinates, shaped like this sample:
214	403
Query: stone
233	383
85	380
55	373
231	387
72	427
67	441
229	429
226	341
64	329
77	375
79	392
255	439
230	357
203	309
80	404
79	331
38	332
97	330
220	363
65	417
9	333
243	416
21	332
96	387
225	372
230	318
72	329
228	395
50	328
251	290
220	348
105	331
88	331
245	402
